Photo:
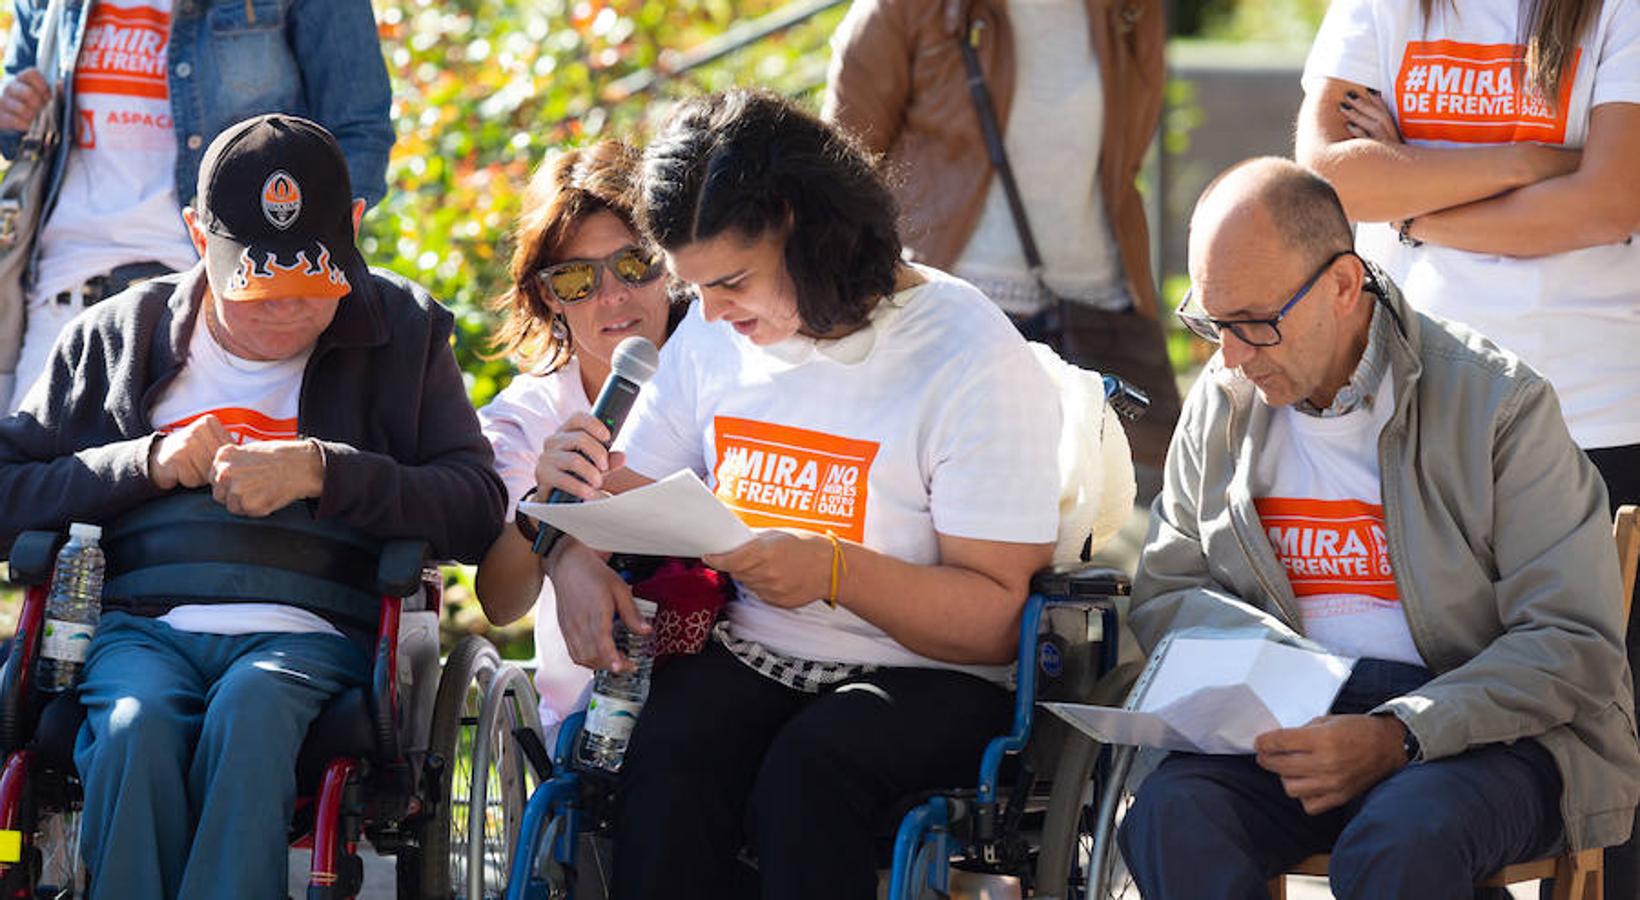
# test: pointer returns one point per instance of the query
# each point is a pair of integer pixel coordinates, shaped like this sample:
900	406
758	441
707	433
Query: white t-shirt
517	422
1317	486
1054	136
1573	316
935	418
256	401
118	202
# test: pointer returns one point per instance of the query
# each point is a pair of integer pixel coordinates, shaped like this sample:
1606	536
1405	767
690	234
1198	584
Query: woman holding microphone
891	437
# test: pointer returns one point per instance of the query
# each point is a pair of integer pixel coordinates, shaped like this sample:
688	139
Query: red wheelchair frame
369	786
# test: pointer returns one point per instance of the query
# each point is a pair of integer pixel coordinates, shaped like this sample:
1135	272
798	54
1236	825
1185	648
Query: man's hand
1333	759
259	478
784	568
21	100
183	458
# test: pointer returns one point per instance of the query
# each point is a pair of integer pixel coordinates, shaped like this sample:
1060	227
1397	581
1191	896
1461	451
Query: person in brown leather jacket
1078	110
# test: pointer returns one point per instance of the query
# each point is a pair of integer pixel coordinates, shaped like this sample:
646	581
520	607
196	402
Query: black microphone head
635	360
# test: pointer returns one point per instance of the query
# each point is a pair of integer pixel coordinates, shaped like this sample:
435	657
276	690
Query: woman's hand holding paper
784	568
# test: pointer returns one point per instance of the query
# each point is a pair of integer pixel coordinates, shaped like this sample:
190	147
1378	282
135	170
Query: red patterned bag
689	595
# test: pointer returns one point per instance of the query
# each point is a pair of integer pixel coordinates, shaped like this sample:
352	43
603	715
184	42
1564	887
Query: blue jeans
1204	827
188	754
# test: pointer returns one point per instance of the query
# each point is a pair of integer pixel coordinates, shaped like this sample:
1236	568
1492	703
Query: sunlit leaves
483	89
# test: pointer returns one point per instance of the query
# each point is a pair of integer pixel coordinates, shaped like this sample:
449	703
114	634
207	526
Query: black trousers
724	758
1620	469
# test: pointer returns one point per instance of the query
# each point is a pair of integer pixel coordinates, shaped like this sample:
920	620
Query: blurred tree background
485	89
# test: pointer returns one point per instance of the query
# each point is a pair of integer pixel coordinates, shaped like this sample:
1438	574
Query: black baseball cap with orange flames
275	202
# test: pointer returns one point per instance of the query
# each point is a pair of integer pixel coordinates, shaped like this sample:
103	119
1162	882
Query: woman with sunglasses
583	281
891	438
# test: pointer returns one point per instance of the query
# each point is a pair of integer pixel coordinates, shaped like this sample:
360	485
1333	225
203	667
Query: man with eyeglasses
1396	489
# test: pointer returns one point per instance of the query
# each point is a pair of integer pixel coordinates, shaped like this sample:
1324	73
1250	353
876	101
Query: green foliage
1264	21
485	89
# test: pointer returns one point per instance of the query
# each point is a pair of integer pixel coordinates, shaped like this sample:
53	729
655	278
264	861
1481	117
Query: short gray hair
1303	206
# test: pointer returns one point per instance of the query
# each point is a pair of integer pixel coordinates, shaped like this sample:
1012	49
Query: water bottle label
66	641
611	717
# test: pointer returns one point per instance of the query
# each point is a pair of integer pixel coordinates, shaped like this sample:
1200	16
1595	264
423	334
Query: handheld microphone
631	367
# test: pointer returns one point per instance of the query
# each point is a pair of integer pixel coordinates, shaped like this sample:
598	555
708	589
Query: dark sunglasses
574	280
1254	332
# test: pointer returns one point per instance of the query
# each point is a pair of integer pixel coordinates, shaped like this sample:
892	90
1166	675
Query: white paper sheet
676	516
1206	695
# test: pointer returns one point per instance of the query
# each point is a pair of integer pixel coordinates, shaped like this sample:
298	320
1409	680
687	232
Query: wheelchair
1032	832
387	762
1029	827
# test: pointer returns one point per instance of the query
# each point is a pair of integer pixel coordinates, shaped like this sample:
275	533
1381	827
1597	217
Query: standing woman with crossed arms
1488	154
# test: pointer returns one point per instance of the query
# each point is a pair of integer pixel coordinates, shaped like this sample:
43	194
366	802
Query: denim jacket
232	59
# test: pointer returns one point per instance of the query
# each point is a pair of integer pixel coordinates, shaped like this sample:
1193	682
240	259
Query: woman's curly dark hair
751	162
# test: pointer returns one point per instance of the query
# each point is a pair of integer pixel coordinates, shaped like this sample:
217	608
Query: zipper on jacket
1389	491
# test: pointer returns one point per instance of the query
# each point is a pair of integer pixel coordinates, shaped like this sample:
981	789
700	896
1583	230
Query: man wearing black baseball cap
279	370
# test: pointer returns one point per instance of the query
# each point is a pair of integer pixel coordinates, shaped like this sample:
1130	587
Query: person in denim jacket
153	82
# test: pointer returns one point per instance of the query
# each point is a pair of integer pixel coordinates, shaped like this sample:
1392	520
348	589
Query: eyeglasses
1254	332
574	280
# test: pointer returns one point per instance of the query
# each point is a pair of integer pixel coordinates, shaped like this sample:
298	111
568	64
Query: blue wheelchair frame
926	838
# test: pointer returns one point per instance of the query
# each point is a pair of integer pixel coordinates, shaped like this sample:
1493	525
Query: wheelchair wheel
500	781
435	865
1066	847
1078	857
1110	879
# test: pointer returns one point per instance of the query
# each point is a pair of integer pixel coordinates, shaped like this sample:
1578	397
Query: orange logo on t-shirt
246	425
1476	93
1330	546
773	476
123	52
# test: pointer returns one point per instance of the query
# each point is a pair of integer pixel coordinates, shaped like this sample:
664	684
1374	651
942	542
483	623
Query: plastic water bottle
72	609
618	697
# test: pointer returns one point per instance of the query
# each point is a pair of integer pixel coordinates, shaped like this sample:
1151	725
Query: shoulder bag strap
981	95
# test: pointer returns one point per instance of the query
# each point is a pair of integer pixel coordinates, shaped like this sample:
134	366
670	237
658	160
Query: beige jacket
897	82
1502	549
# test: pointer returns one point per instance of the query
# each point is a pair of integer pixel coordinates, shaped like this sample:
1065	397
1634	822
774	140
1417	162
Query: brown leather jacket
897	82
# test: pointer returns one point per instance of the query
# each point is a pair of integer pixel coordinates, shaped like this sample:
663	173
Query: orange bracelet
839	567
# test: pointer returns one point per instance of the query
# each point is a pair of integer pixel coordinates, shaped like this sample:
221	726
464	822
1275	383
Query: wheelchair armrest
384	680
398	570
32	556
1081	581
1050	588
17	706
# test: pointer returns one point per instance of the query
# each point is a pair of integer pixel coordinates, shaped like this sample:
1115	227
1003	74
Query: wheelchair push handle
33	555
1127	400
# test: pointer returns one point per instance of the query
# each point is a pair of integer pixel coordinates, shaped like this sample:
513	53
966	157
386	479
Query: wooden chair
1580	875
